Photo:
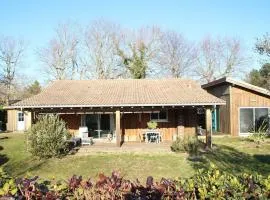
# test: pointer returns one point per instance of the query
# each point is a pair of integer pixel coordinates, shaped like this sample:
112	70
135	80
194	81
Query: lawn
230	154
18	162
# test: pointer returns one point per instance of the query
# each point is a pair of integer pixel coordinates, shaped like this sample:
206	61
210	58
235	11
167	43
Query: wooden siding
12	120
244	98
190	118
73	122
223	92
235	98
134	124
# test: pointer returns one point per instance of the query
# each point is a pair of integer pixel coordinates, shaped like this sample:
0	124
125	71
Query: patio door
99	125
20	121
91	121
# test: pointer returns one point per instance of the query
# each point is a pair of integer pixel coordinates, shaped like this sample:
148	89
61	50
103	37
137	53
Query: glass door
99	125
91	121
104	125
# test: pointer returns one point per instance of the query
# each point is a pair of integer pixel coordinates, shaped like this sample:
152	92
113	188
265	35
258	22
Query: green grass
20	163
234	155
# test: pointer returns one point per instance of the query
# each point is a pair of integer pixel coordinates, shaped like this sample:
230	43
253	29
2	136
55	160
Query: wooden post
208	123
118	128
180	123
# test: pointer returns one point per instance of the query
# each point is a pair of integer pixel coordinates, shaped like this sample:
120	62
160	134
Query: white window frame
159	120
21	116
253	108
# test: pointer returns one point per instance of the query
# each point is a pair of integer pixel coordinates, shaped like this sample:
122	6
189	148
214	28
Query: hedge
205	184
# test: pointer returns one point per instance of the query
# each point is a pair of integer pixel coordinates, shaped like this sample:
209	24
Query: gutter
120	105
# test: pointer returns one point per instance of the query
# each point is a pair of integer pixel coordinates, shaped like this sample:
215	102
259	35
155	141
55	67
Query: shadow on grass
4	138
3	157
229	159
22	168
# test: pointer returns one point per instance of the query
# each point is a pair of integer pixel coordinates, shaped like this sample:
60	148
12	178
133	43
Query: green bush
178	145
258	136
47	138
152	124
188	144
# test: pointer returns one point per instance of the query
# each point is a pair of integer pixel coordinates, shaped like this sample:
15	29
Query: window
246	120
161	116
20	117
261	119
253	119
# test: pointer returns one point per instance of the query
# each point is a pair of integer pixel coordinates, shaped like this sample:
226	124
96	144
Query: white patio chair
83	133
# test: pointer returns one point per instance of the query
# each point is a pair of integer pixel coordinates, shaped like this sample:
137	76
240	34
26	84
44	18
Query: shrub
152	124
258	136
47	138
178	145
188	144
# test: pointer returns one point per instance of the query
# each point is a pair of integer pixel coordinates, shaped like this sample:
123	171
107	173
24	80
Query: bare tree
218	58
60	56
177	55
137	50
98	57
11	53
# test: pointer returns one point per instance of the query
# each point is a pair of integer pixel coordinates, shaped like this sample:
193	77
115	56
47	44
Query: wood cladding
244	98
180	122
134	124
236	97
73	122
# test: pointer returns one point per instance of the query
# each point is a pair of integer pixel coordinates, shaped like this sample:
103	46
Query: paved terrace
127	147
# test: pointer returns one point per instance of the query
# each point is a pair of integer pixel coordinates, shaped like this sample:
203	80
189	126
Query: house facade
247	106
123	107
18	120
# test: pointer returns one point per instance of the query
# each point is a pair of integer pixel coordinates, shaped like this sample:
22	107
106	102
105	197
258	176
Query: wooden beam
118	128
208	123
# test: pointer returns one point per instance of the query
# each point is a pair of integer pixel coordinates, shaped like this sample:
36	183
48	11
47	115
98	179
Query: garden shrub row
205	184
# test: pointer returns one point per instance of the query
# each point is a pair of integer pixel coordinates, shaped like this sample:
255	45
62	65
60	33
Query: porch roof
120	93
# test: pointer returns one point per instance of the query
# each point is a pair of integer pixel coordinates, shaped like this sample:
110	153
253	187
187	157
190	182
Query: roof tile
121	92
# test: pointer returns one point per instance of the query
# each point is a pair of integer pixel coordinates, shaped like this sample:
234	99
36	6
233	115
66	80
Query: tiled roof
121	92
238	83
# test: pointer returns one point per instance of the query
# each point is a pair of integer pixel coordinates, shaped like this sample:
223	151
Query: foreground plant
260	134
205	184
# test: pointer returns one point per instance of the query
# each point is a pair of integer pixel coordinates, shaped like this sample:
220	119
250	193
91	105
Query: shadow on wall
233	161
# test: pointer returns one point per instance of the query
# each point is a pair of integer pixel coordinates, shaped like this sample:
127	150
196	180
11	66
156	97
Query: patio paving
127	147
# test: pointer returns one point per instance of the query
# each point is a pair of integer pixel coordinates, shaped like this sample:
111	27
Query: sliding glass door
254	119
99	125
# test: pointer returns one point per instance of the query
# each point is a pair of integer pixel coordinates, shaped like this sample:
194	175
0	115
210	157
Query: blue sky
35	20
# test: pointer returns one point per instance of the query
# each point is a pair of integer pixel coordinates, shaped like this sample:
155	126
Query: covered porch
127	124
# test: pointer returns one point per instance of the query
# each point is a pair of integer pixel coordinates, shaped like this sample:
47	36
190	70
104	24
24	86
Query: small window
154	116
161	116
20	117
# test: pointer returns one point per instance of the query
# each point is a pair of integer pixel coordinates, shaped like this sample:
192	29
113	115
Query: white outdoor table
149	132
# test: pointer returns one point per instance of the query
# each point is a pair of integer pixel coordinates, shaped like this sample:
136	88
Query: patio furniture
98	132
152	136
83	134
73	142
76	141
87	140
